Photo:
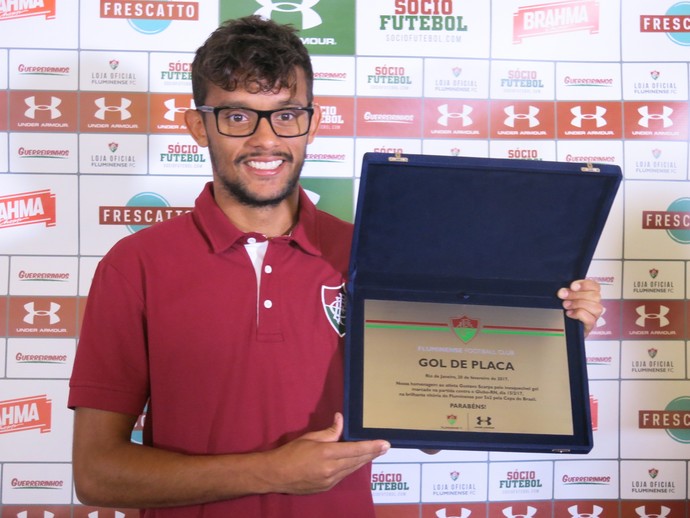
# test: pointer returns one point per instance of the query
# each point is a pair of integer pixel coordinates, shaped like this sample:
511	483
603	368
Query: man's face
261	169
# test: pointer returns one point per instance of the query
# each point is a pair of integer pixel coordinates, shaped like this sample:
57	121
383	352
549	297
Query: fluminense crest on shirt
333	300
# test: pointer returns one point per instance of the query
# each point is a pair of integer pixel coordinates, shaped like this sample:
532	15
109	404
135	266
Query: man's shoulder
171	233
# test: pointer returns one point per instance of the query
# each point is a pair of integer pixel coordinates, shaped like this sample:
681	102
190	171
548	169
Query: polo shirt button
251	240
268	304
268	268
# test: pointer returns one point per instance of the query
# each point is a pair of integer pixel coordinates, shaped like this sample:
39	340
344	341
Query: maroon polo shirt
174	320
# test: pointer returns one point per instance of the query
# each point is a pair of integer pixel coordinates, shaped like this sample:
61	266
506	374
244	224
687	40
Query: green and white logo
325	26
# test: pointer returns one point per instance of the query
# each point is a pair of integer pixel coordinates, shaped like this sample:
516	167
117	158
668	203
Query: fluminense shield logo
333	301
465	328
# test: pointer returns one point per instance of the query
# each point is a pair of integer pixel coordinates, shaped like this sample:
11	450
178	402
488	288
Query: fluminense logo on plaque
325	26
465	328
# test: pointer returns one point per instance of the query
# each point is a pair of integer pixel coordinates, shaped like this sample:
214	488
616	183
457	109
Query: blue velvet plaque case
482	235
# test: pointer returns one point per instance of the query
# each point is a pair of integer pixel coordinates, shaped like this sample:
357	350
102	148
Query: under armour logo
173	109
597	116
530	116
486	421
25	514
464	115
660	316
464	513
32	313
531	511
104	108
94	514
642	512
310	18
33	107
665	116
574	513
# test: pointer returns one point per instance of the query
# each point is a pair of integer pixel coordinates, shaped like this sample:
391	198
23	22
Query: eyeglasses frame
263	114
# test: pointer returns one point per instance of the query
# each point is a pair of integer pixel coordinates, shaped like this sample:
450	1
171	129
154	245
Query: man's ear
315	121
196	127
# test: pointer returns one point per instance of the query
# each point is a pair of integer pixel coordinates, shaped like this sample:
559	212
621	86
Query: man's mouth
265	166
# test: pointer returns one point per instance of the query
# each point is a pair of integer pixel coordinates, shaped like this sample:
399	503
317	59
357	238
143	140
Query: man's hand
317	461
582	301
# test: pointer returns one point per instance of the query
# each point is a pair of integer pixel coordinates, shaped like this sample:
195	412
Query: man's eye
286	116
234	116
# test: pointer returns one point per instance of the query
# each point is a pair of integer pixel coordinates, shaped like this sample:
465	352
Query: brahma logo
675	23
675	220
28	208
142	210
13	9
22	414
675	419
555	18
148	16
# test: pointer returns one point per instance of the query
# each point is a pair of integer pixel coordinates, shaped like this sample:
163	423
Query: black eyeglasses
242	122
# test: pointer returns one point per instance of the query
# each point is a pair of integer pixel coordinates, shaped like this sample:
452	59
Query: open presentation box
455	336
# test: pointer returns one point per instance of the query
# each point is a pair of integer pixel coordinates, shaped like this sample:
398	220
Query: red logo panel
659	120
453	119
523	120
590	120
114	112
386	117
167	112
43	111
43	317
337	116
654	319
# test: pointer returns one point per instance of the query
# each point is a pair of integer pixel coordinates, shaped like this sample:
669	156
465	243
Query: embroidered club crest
465	328
333	301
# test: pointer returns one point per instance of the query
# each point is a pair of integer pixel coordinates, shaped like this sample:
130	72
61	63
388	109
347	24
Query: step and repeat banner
93	147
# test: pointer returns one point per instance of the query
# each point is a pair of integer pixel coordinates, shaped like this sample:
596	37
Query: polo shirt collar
222	234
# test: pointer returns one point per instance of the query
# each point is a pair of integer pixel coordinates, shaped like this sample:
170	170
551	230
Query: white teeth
265	165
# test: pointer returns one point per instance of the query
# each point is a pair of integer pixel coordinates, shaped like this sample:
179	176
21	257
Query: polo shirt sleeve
111	365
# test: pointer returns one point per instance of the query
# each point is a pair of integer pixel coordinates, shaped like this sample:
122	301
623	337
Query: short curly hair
252	53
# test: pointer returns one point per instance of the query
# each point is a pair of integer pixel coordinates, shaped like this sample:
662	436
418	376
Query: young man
214	321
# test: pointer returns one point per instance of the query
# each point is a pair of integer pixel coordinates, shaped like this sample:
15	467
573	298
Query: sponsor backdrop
93	147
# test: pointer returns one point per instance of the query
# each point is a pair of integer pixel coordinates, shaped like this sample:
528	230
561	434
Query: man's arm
582	301
111	471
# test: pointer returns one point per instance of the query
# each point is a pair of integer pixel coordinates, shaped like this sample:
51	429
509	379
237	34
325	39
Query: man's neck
271	221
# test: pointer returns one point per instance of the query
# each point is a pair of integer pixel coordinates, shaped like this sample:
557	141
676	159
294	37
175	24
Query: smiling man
214	321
